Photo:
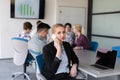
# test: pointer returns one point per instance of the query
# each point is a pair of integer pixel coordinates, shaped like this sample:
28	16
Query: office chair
117	48
20	46
93	45
39	62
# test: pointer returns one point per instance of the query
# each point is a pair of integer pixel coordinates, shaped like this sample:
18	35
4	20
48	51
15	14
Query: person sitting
35	30
81	41
27	27
38	41
70	36
60	61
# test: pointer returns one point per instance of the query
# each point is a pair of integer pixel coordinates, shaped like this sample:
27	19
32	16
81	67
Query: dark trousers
63	76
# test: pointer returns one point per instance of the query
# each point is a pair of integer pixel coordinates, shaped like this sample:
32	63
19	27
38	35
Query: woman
70	36
58	57
81	41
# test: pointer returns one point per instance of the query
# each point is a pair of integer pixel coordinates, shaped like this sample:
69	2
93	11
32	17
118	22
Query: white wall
11	27
74	3
0	40
77	3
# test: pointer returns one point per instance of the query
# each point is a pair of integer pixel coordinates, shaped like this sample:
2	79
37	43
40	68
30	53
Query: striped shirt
24	35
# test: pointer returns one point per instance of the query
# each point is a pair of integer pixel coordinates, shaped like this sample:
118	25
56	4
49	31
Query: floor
7	67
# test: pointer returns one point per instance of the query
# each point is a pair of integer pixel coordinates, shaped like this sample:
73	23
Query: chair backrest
117	48
93	45
34	52
20	46
40	61
39	58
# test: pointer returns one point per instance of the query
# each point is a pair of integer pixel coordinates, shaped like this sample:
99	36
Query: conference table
87	57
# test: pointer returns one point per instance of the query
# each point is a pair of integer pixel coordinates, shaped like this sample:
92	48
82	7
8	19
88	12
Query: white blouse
63	67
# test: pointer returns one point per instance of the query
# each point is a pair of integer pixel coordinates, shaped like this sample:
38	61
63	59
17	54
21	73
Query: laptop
104	61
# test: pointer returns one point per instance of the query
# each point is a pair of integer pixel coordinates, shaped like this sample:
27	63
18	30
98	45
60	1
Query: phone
54	36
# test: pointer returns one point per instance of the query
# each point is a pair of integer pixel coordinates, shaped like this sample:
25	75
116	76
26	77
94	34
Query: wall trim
106	36
103	13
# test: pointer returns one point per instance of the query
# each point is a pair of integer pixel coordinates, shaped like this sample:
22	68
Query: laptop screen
106	59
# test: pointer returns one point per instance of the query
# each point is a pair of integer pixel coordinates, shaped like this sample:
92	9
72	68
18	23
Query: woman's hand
73	71
58	46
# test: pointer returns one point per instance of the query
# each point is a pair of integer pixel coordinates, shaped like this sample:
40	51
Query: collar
40	38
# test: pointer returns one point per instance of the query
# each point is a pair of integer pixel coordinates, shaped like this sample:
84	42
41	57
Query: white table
87	57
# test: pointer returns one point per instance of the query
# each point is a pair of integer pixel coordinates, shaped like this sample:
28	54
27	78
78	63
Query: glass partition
106	6
106	24
107	43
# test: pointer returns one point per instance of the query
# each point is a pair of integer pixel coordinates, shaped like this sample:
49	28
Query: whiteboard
73	15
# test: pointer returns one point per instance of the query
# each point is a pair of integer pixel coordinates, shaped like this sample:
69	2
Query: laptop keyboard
100	67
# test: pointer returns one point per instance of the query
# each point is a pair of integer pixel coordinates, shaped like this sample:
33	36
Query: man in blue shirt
38	41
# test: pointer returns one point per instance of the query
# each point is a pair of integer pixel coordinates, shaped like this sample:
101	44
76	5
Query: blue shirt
36	43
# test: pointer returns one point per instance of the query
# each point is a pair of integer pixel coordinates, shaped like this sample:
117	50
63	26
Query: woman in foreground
61	63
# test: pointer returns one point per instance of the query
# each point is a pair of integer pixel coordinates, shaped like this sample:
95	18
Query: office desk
87	57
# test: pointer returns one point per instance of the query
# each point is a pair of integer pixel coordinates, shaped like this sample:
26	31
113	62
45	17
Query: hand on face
59	38
60	33
58	44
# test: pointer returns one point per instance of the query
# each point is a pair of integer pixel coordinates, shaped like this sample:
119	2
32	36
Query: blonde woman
81	41
58	57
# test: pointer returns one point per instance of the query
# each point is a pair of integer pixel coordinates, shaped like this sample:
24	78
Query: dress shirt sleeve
73	56
51	62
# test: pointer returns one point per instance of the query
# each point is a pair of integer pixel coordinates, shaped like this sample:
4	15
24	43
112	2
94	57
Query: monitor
24	9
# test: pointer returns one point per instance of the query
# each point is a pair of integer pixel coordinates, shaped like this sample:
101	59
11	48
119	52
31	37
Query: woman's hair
56	26
78	27
68	24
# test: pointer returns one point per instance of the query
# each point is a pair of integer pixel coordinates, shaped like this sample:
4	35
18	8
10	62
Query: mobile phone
54	36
